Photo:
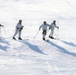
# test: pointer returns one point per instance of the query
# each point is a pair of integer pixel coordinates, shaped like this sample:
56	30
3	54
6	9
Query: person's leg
51	34
15	34
20	35
44	34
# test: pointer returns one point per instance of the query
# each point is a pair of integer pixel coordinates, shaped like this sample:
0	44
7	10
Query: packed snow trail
36	57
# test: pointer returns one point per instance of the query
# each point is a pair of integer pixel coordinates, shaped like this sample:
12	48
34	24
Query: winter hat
44	22
20	20
54	21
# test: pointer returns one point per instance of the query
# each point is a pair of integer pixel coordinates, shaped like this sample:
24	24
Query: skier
52	26
19	28
44	28
0	30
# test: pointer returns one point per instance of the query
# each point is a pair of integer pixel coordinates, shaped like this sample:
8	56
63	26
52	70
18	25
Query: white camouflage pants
52	32
16	32
44	33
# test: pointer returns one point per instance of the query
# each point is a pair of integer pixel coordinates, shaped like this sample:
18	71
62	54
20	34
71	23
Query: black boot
51	37
43	38
14	38
20	38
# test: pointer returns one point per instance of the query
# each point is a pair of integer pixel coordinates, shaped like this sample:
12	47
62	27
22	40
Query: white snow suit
52	26
44	28
19	27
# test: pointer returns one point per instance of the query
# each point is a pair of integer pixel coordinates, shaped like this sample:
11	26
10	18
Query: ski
20	40
55	38
46	40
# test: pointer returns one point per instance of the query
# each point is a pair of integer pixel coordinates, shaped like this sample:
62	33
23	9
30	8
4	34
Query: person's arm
56	26
50	26
18	26
40	27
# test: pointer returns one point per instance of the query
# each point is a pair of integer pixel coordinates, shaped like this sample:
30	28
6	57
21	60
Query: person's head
44	22
54	22
20	21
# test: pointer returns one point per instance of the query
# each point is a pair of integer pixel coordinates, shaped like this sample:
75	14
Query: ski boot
20	38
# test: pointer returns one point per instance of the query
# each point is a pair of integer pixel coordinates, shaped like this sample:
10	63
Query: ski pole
57	32
4	30
36	34
0	32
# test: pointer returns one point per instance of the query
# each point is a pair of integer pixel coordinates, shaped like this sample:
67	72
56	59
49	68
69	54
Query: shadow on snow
4	41
61	49
4	48
69	43
33	47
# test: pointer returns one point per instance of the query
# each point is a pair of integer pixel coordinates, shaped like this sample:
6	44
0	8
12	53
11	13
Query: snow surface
33	56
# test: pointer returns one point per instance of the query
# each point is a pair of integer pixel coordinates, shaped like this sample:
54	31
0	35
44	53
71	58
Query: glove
58	27
17	28
21	28
49	28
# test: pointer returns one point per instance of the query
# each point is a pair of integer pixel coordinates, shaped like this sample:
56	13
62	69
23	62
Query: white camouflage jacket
52	26
18	26
44	27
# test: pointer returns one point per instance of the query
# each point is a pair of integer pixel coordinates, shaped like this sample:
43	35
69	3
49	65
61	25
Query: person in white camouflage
44	28
19	28
52	27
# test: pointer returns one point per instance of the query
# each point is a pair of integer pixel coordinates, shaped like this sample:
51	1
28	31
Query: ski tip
46	40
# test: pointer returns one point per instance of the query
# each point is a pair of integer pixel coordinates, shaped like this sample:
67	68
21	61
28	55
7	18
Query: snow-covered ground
34	56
